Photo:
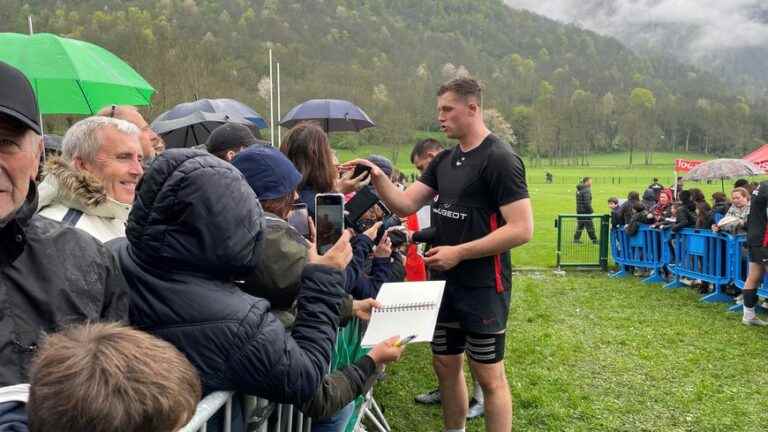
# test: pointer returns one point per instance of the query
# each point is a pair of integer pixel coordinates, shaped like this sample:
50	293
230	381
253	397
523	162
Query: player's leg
448	360
486	353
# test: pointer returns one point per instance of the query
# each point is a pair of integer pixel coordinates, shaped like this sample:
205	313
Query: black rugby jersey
471	187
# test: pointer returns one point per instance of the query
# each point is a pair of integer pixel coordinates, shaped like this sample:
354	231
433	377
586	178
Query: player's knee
447	365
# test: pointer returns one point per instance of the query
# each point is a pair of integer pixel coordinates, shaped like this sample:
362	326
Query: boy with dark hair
107	377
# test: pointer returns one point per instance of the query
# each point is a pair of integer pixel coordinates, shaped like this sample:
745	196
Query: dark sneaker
429	398
476	409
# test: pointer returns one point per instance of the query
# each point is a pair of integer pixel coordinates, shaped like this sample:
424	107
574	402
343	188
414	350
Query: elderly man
51	275
151	143
93	184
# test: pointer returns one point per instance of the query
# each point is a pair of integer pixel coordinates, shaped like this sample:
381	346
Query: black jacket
685	217
194	228
583	199
51	275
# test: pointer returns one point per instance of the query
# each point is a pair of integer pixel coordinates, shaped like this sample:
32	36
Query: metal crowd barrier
647	249
265	416
715	258
706	256
207	408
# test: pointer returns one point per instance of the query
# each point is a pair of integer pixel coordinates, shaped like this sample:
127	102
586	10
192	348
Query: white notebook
408	308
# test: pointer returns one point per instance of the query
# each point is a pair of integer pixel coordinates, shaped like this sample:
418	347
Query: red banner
685	165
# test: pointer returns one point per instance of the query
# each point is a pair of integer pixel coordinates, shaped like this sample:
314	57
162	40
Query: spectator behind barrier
229	139
306	145
720	203
742	183
663	208
93	184
649	198
628	208
272	177
735	219
613	205
684	212
196	227
151	143
703	215
51	275
105	378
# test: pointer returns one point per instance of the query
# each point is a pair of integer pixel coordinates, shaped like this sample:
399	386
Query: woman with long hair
306	145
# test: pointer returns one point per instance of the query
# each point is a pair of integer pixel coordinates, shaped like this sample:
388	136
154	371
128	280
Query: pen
405	341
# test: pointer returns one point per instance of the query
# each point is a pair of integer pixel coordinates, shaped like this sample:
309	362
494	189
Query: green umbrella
71	76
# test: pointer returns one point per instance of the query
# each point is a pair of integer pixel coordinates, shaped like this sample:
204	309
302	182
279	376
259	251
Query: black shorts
758	255
481	348
474	309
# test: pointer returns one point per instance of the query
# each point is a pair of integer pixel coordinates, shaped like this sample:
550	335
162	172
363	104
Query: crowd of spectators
193	250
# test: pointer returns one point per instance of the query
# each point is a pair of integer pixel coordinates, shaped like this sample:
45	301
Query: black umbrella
192	129
333	114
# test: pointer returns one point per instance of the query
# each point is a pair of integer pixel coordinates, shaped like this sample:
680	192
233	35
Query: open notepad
408	308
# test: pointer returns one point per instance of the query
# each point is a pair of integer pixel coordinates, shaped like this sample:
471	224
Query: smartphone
360	169
363	200
329	220
298	218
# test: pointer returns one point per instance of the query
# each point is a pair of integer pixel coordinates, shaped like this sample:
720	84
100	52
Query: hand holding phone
298	218
361	169
329	220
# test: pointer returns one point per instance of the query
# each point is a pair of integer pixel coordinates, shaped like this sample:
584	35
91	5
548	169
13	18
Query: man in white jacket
92	186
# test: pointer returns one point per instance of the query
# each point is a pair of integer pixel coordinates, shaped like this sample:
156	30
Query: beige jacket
65	188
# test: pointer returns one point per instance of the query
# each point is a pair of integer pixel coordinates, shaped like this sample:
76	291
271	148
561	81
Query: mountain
728	39
566	90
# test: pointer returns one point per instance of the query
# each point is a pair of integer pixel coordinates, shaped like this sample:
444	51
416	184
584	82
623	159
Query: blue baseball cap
269	173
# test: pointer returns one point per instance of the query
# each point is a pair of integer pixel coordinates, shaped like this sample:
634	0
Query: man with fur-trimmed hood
93	184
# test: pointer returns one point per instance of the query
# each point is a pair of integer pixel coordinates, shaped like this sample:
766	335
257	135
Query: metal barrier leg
738	307
655	277
717	296
379	414
675	283
622	272
379	427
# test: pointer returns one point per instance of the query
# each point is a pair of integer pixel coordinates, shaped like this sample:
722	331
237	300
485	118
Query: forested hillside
566	92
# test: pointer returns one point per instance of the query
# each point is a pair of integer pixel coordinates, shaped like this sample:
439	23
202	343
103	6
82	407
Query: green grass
588	353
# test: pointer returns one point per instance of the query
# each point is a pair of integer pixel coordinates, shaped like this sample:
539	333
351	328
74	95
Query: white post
42	132
279	112
271	106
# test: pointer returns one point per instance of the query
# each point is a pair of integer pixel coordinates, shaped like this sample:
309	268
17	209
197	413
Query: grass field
585	353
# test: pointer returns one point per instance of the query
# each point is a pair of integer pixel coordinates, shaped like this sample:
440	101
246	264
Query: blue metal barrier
706	256
645	250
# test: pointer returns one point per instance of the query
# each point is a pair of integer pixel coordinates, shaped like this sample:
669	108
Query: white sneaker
429	398
476	409
754	322
740	299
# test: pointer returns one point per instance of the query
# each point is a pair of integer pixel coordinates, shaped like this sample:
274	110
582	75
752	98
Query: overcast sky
713	24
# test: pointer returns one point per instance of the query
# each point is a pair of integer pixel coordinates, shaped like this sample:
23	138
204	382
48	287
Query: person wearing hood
649	198
274	179
584	206
51	275
196	227
93	184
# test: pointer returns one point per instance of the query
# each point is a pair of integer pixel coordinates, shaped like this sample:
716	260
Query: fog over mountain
728	37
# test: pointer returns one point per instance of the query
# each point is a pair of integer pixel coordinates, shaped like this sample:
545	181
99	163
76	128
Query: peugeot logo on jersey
450	214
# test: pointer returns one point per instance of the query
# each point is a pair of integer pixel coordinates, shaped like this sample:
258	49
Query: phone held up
361	169
329	220
298	218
